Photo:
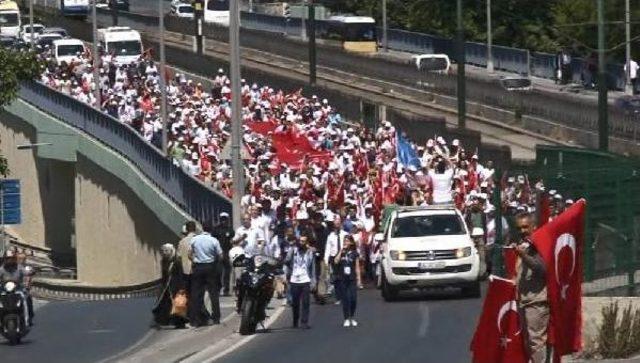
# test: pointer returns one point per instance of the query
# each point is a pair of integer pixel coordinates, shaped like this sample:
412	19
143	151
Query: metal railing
191	195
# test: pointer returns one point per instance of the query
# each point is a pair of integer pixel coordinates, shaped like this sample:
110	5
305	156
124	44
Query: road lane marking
424	320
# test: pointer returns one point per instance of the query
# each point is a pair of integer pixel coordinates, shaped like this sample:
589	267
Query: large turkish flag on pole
498	337
560	244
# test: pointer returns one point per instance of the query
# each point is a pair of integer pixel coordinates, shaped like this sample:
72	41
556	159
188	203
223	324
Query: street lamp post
236	117
32	39
385	33
163	86
461	89
96	56
489	39
603	116
627	23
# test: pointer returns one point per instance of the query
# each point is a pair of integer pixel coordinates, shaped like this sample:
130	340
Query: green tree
15	67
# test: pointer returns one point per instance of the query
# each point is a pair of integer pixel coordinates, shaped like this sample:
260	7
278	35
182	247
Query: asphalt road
421	328
81	331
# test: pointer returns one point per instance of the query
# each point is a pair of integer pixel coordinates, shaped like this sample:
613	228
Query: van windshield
70	49
218	5
432	225
9	19
124	48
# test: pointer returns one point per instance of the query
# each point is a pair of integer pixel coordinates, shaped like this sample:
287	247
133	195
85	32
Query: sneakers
354	322
347	323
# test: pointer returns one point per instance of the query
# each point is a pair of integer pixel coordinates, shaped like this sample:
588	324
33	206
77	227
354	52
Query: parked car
45	40
55	30
25	32
182	10
122	5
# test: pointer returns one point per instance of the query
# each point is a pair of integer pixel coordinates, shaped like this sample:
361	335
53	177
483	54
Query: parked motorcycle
255	289
13	313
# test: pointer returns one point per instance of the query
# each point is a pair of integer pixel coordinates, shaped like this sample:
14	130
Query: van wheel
472	290
389	293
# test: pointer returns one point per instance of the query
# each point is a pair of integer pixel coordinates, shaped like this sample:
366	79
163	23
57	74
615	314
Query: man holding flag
531	282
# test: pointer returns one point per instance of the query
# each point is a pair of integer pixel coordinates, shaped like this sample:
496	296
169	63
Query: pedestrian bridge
99	191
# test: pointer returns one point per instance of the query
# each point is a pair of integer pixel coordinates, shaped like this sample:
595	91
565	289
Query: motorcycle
13	313
254	289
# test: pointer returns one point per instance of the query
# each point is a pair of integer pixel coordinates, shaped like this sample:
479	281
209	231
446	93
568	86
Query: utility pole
236	117
462	98
96	56
303	26
603	121
199	14
385	33
114	12
32	39
163	86
312	44
489	39
627	28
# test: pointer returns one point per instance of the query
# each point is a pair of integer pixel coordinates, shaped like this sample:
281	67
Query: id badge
347	270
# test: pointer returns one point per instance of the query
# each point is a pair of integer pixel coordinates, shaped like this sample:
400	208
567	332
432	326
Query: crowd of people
316	185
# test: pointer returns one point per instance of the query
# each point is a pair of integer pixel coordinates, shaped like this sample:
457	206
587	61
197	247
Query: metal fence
611	186
196	199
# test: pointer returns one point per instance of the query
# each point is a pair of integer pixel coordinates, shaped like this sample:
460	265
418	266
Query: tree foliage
537	25
14	68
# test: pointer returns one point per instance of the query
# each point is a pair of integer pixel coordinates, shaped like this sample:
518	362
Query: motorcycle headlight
463	252
10	286
254	278
258	261
397	255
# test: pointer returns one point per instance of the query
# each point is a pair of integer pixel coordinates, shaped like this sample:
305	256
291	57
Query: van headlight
397	255
9	286
463	252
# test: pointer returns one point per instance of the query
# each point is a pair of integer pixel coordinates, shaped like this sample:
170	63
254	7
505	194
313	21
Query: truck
9	19
427	247
122	43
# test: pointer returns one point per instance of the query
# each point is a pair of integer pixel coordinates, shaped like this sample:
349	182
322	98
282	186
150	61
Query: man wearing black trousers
206	254
303	280
224	233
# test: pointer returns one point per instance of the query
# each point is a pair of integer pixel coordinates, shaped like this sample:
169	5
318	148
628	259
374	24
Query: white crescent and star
565	240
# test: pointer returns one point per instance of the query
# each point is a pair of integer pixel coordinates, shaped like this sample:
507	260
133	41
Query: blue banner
406	155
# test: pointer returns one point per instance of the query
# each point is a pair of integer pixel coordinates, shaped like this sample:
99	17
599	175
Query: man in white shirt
632	74
247	236
442	177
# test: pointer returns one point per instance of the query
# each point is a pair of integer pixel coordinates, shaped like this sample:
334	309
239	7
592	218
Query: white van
439	63
121	42
426	247
68	50
9	19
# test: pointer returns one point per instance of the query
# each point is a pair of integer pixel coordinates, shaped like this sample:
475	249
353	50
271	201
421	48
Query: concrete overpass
82	197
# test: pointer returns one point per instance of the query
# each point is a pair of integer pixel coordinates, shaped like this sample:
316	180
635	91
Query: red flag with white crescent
499	336
510	258
560	244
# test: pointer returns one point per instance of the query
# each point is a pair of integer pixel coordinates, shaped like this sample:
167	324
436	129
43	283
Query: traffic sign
10	206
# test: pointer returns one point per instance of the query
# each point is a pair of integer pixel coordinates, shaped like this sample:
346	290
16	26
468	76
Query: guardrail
69	291
195	198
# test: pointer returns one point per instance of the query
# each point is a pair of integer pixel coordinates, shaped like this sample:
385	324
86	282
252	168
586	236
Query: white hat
412	168
552	192
224	214
455	142
477	232
511	179
302	214
440	140
569	201
558	196
430	143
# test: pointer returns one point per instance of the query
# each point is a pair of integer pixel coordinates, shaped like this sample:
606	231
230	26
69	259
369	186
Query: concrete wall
115	231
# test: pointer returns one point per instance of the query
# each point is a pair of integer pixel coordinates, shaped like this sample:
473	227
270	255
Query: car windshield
125	47
8	19
218	5
432	225
70	49
185	9
36	29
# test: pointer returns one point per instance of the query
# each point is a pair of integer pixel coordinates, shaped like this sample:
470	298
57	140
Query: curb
49	291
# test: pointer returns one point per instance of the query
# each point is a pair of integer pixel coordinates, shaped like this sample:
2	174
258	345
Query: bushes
618	335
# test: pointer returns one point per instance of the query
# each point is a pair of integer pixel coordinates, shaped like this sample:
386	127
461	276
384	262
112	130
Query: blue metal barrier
194	197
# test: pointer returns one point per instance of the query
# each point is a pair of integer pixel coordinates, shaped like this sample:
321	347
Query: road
423	329
82	332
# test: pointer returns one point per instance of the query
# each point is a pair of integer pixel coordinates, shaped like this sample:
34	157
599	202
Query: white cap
224	214
477	232
440	140
455	142
302	214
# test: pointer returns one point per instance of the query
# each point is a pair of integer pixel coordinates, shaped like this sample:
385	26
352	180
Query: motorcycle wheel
248	322
12	327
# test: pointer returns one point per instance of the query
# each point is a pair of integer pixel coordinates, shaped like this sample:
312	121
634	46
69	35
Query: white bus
79	8
9	19
216	12
120	42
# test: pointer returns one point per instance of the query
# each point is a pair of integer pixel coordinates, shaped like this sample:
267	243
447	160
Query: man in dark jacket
224	233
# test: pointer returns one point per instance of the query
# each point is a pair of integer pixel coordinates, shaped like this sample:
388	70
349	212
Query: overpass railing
194	197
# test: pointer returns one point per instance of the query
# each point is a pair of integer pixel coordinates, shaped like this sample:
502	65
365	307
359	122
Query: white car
182	10
25	32
427	247
68	50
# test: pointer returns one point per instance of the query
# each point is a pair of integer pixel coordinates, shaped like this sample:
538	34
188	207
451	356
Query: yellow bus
9	19
357	33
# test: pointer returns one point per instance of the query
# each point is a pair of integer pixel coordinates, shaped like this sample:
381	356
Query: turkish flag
560	244
498	337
